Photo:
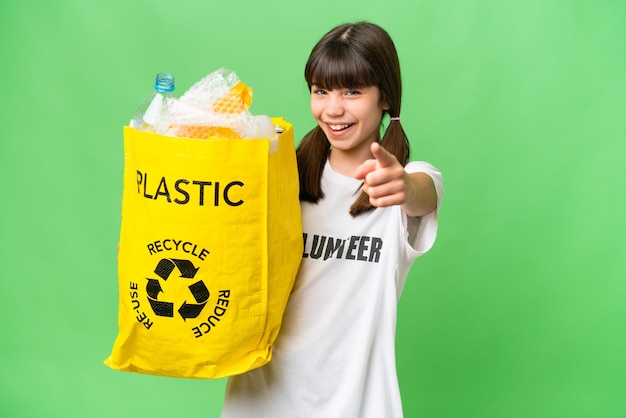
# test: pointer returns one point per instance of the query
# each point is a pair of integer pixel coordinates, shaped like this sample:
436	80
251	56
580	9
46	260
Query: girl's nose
334	105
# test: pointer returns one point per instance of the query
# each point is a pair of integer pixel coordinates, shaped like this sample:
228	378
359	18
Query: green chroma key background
518	311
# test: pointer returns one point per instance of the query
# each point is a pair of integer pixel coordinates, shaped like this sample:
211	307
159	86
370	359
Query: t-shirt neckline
337	177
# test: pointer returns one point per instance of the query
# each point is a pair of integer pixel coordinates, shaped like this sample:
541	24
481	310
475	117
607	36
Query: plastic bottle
152	111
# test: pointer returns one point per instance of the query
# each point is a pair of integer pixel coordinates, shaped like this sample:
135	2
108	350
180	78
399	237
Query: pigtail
311	156
396	142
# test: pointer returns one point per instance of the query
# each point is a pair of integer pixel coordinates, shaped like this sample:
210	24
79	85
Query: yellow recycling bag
211	240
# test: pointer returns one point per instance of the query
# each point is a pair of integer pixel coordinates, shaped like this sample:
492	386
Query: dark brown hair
352	55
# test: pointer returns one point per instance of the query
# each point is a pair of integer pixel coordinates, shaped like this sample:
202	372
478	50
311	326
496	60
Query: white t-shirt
335	354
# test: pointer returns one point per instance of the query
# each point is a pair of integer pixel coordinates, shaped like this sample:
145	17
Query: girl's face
350	118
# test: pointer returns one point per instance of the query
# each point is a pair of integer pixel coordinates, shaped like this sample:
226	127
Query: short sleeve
422	231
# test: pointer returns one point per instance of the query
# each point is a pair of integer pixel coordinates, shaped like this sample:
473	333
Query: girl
367	215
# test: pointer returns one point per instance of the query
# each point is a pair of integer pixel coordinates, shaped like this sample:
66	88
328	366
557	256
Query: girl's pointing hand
387	184
384	178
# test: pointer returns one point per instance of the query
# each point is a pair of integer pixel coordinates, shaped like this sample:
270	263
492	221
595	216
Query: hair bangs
340	66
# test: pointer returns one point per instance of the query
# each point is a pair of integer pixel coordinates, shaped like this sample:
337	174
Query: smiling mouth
338	128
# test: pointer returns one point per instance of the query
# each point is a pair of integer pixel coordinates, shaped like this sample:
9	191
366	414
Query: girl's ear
385	100
386	105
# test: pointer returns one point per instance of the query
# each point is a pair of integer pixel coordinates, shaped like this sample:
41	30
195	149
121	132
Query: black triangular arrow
164	268
186	267
153	288
162	308
199	291
188	310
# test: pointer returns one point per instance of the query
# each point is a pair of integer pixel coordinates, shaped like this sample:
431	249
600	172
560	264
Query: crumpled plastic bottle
152	111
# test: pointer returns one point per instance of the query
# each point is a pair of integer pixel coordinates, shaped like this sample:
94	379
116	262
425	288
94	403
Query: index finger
383	157
364	169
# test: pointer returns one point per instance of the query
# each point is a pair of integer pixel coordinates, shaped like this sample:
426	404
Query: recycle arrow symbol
164	269
201	295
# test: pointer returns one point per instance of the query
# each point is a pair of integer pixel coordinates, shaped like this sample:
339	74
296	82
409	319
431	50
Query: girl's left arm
421	195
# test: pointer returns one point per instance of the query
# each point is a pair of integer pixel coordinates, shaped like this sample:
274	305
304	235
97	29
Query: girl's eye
352	92
318	91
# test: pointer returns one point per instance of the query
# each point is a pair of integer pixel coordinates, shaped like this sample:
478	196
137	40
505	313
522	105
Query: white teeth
338	127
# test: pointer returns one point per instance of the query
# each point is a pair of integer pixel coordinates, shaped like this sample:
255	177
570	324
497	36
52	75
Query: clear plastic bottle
152	111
